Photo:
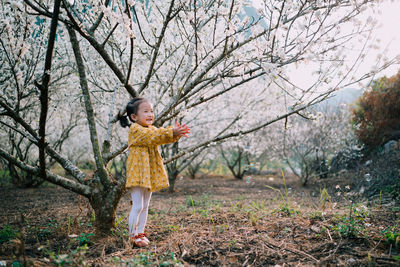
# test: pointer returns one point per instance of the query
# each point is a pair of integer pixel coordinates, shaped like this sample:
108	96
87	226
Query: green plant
173	228
392	236
348	227
191	203
119	220
237	206
75	258
205	212
7	233
324	198
360	211
84	238
256	206
317	215
222	228
148	259
232	242
352	225
17	264
253	219
286	210
93	217
5	177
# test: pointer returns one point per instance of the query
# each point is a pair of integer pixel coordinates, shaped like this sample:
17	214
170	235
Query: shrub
376	116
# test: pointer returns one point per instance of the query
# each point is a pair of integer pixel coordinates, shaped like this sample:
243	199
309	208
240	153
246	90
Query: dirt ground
210	221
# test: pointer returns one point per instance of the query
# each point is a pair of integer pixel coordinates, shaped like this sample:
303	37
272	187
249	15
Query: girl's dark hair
131	108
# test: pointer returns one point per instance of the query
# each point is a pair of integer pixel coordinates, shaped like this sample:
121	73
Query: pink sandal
140	240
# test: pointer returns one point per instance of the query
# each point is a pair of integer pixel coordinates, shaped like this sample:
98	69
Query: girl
145	172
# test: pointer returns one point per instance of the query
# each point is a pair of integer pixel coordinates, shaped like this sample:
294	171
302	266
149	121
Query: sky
387	15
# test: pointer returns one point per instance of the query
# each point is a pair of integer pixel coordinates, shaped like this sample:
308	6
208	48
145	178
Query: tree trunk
172	175
171	184
172	168
104	203
23	179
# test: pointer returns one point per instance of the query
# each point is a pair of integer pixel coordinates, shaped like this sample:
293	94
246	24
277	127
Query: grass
147	259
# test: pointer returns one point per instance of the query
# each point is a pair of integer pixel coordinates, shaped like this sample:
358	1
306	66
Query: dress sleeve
150	136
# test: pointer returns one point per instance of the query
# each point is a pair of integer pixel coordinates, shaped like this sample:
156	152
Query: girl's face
145	114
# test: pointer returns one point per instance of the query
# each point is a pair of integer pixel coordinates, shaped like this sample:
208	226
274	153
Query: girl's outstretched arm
151	136
180	130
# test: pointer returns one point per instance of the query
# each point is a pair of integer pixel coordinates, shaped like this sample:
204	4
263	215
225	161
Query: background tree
310	142
236	159
22	53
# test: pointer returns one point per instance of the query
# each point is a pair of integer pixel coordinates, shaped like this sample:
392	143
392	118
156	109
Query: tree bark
104	203
44	92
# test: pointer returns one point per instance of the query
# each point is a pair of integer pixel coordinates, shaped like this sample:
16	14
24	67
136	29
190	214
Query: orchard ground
211	221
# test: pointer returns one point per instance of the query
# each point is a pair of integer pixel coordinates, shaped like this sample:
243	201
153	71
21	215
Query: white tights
140	207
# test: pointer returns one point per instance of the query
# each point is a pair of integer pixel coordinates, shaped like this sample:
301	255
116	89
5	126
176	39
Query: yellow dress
145	167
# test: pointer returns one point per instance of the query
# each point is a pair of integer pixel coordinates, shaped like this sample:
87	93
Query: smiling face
145	114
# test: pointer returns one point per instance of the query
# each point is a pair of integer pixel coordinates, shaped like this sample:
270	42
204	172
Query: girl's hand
180	130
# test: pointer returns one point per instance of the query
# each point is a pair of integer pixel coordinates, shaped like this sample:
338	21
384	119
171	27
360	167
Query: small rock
315	229
389	146
362	189
368	162
351	260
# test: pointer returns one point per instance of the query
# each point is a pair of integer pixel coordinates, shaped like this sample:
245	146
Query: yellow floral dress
144	166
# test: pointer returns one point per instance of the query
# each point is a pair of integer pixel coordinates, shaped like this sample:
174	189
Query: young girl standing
145	172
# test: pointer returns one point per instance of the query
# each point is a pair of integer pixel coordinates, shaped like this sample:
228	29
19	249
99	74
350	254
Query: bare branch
239	133
110	156
128	11
89	109
51	177
102	52
67	165
140	28
44	86
168	18
107	139
98	21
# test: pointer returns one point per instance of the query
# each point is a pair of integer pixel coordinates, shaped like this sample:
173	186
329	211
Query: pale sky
387	14
387	31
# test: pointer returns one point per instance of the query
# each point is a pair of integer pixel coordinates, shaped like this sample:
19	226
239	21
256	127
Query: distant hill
344	96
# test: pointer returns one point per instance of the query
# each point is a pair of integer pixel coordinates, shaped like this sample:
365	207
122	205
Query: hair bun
123	120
